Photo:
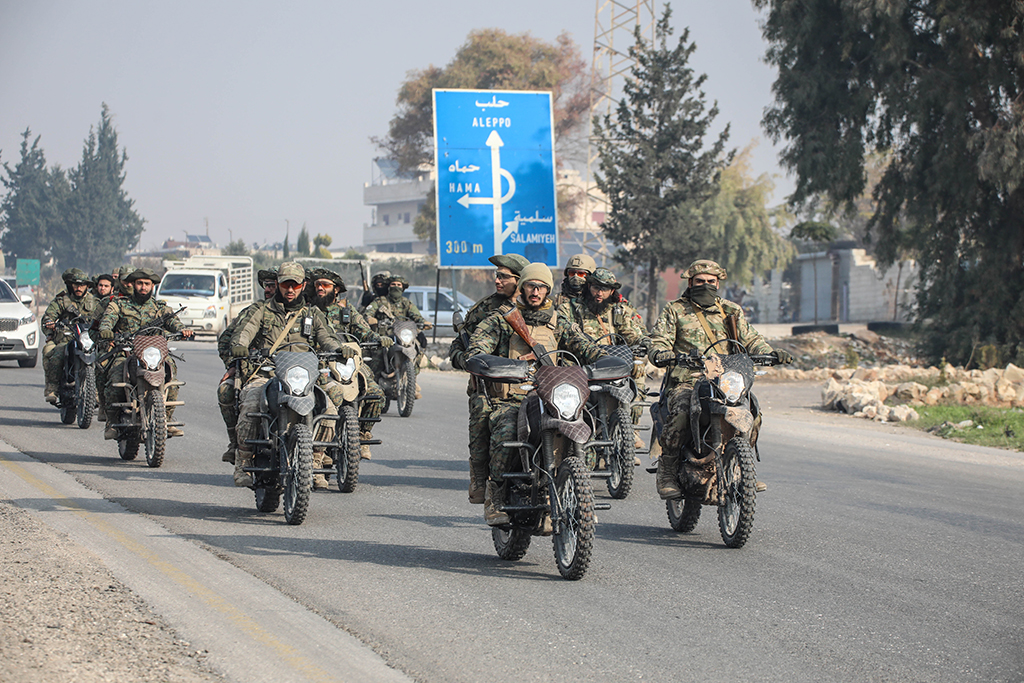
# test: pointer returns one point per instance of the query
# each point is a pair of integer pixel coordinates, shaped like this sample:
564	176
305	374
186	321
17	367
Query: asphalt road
879	553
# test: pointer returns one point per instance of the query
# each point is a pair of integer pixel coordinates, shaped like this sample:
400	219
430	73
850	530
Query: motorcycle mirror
457	320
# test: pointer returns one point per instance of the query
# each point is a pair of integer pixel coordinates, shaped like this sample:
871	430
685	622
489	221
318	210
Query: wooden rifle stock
515	320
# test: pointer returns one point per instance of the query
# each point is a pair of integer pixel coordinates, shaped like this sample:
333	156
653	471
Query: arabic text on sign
488	122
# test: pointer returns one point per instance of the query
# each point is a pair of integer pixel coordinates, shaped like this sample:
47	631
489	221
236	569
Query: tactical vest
517	348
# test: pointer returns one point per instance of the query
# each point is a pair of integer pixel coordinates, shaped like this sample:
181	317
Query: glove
347	352
661	358
427	326
106	334
387	342
783	356
239	351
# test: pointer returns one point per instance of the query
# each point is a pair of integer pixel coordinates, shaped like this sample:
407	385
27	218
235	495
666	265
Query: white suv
423	297
19	330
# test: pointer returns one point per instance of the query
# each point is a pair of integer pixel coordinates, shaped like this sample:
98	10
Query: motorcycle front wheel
267	500
156	428
66	396
346	454
576	522
511	543
128	447
406	387
85	396
683	514
298	474
738	481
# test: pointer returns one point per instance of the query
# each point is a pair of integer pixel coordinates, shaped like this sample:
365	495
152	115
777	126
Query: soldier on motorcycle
693	322
495	336
76	300
577	269
389	309
506	279
127	315
378	287
105	291
267	279
285	319
602	312
343	320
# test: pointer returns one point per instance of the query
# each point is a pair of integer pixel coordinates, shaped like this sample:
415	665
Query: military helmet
513	262
602	277
265	275
581	262
701	266
399	279
146	273
325	274
124	271
290	271
538	272
76	276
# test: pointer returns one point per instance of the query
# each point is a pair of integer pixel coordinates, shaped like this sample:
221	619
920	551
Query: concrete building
396	198
849	286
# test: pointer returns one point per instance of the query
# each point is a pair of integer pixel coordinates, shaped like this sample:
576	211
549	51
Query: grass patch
1000	427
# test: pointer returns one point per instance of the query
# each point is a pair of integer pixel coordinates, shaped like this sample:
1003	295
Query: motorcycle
146	381
397	376
609	407
549	489
291	407
344	449
76	393
717	463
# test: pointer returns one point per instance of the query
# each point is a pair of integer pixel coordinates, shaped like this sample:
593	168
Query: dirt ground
64	618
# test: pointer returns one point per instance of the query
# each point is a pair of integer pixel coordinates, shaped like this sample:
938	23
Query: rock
884	412
911	391
1005	391
954	393
865	374
830	395
866	336
445	365
436	361
855	401
870	412
1013	374
964	425
903	414
933	396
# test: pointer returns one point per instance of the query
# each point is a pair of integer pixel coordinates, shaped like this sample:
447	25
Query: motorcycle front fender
408	351
302	405
740	419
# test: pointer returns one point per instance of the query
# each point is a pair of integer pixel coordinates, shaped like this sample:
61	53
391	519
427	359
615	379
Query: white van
424	298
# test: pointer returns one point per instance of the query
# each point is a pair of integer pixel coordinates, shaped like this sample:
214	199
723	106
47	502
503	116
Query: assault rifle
515	320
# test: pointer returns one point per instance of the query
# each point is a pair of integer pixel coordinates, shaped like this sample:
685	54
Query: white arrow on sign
496	199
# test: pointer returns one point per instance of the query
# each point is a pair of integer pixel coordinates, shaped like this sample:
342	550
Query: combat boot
173	431
110	431
419	394
494	497
668	476
364	449
243	459
319	480
477	481
50	394
229	454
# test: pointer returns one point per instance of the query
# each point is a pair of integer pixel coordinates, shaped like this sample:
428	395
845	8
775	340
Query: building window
386	219
406	216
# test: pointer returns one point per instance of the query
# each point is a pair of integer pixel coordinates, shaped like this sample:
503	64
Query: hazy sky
246	114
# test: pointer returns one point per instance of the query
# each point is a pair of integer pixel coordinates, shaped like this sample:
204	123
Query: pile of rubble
864	392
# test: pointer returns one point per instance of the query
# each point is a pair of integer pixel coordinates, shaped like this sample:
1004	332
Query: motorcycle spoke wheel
683	514
406	387
738	481
298	474
267	500
511	543
620	457
85	399
128	446
156	428
347	454
66	402
576	524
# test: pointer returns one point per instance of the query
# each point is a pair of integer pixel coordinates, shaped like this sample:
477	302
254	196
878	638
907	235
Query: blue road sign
495	156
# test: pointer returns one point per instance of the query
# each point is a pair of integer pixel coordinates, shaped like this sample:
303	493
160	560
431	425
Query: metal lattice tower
615	22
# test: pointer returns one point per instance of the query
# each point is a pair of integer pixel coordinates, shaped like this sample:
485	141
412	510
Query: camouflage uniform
260	332
124	316
226	389
104	365
387	313
64	307
479	406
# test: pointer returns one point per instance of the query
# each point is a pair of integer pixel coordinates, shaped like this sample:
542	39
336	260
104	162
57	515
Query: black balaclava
573	286
395	293
703	295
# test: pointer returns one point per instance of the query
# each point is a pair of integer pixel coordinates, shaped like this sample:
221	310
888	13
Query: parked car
424	298
19	329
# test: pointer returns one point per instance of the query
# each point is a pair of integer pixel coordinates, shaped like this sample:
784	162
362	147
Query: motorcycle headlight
731	384
211	312
297	379
345	371
406	336
566	399
87	342
151	356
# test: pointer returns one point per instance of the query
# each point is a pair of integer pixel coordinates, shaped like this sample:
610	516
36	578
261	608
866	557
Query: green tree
236	248
320	244
101	223
653	165
302	243
490	59
741	235
937	85
33	204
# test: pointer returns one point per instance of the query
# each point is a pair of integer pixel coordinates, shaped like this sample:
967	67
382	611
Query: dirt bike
397	374
146	380
609	407
717	463
291	407
76	393
344	449
549	489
